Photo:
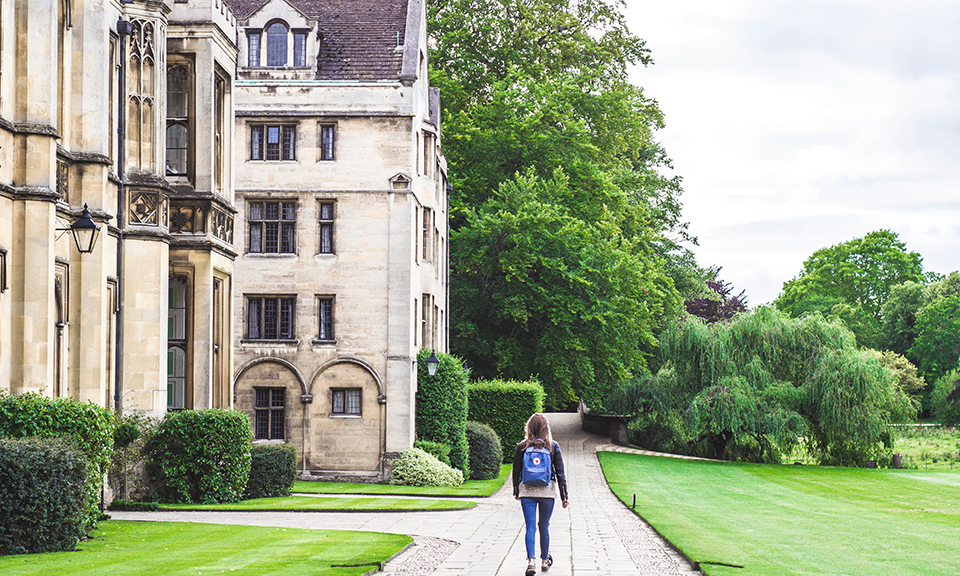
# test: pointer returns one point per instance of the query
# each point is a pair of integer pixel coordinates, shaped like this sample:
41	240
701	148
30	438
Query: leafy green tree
937	344
946	398
908	379
534	89
899	316
865	327
859	272
759	385
543	293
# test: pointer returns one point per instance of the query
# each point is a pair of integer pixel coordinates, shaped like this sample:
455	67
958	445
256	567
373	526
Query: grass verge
314	503
796	520
181	549
469	489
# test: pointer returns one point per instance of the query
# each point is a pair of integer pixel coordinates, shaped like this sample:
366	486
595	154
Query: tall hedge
42	495
442	407
200	456
505	406
89	426
273	470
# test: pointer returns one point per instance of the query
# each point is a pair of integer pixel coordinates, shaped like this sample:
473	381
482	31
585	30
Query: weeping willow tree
755	388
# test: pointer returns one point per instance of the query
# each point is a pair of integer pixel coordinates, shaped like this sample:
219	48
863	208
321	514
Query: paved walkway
596	536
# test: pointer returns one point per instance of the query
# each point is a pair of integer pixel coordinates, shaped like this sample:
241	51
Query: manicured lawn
304	503
470	488
793	520
182	549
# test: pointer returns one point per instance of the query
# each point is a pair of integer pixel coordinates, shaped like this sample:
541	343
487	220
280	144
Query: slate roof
358	37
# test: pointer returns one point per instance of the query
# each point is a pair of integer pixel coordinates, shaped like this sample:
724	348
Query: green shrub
505	406
417	468
200	456
42	495
486	454
438	450
442	407
89	426
127	477
273	469
947	410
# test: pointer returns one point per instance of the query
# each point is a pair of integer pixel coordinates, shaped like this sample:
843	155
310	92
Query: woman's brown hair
538	428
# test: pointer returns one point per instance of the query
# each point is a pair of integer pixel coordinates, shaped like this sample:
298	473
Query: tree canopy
759	385
551	148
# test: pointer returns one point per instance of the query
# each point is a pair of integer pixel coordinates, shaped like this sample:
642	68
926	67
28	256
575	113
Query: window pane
270	318
289	142
177	310
271	211
253	319
262	425
289	211
338	401
256	142
326	238
271	240
177	149
256	238
273	143
253	49
256	210
263	397
353	401
276	425
277	397
299	49
326	211
286	241
326	318
326	142
286	319
277	45
178	85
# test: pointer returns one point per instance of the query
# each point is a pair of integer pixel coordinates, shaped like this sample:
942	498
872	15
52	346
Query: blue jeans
530	506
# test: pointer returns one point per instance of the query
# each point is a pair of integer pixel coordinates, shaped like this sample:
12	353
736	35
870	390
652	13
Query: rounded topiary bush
438	450
417	468
485	451
273	469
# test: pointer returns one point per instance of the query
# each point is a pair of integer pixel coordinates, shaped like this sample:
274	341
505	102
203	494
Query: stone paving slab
596	536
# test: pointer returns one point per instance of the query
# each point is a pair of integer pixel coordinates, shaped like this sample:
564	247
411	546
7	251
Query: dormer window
281	51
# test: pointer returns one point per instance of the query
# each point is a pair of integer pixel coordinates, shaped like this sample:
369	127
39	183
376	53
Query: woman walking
537	474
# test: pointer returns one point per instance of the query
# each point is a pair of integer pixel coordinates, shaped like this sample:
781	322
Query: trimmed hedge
486	454
200	456
273	469
439	451
442	407
415	467
89	426
42	495
505	406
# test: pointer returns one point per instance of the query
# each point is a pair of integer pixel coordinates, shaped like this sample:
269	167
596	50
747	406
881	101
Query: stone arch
266	359
349	359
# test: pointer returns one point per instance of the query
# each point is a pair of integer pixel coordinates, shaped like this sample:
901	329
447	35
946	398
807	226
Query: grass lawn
304	503
181	549
470	488
928	447
793	520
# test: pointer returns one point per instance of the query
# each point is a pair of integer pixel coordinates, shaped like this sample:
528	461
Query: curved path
597	535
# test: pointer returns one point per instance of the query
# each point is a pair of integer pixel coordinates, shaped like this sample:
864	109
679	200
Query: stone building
303	297
125	108
341	227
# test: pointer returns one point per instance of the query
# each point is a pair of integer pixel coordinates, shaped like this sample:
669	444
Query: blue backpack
537	467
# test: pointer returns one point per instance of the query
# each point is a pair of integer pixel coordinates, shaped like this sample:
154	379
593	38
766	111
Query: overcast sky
802	124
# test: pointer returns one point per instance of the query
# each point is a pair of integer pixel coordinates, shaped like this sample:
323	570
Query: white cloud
797	125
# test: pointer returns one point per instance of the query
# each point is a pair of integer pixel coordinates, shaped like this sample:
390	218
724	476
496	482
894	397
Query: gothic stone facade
342	204
152	303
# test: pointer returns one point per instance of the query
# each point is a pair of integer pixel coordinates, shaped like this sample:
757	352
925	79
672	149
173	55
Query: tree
899	316
937	345
718	305
859	273
759	385
908	379
545	294
532	90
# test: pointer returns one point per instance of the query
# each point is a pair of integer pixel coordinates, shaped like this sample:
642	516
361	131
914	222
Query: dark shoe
531	569
547	563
